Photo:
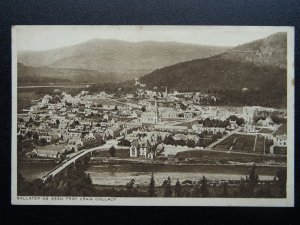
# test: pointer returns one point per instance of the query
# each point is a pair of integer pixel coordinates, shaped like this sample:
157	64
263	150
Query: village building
49	151
268	122
279	140
142	149
152	117
199	128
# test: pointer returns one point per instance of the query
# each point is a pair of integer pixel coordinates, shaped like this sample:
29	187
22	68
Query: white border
287	202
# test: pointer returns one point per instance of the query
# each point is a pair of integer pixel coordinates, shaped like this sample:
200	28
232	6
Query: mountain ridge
136	58
226	73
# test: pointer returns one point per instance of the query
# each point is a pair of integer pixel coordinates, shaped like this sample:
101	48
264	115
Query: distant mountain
263	74
40	75
126	60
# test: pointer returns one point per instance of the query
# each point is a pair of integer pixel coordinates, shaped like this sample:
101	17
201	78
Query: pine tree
168	188
253	179
242	187
203	188
112	151
152	186
178	189
196	190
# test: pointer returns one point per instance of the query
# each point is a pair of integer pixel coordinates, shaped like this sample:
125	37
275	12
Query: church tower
166	92
157	116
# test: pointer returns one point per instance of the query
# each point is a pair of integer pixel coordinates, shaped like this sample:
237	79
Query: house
70	135
279	140
63	125
232	125
77	142
188	115
112	132
89	137
50	151
200	128
134	149
249	128
142	148
268	122
79	128
32	154
46	137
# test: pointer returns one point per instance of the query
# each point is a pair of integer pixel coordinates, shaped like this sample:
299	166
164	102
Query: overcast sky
49	37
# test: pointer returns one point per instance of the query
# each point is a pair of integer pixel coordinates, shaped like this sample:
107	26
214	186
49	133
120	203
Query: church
153	116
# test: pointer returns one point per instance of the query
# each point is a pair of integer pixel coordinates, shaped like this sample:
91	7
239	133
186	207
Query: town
147	126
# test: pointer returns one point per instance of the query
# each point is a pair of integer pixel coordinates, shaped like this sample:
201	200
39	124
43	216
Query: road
77	156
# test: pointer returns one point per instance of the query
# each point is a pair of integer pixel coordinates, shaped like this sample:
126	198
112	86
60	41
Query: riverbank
231	189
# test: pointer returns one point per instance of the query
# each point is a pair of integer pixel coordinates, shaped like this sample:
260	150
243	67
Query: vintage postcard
153	115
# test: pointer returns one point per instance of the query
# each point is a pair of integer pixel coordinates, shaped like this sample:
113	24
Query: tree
225	192
159	139
252	179
242	187
124	142
35	136
281	175
112	151
20	137
169	140
28	134
129	186
168	188
190	143
196	190
42	142
152	186
143	109
178	189
203	188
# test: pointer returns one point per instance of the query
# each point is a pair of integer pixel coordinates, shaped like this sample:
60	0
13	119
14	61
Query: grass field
243	143
200	156
262	145
24	99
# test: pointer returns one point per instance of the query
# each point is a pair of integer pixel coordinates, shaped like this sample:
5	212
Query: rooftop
281	130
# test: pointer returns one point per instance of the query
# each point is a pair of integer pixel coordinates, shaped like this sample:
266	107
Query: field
200	156
245	143
24	99
237	143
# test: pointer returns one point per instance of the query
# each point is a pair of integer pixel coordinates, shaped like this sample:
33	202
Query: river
122	174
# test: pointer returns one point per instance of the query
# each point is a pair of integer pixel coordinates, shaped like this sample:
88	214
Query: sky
38	38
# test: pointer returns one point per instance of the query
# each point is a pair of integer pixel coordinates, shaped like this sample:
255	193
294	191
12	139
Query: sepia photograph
152	115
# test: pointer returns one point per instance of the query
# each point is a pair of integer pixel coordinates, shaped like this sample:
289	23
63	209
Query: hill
126	60
228	73
270	51
43	75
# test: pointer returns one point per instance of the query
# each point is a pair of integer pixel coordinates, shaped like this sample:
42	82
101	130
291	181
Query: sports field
244	143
